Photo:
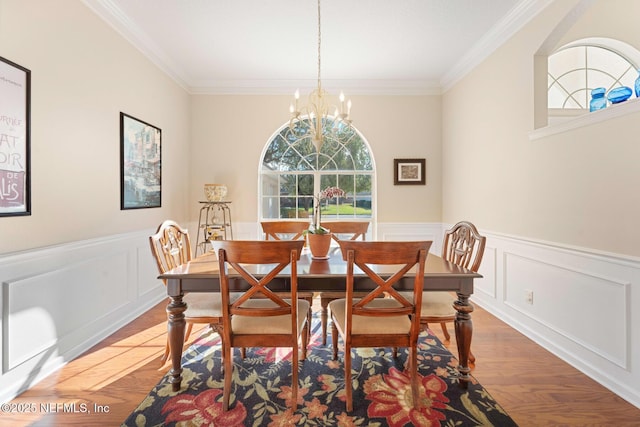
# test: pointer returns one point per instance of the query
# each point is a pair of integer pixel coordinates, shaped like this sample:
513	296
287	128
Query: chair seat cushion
205	304
437	304
369	325
257	325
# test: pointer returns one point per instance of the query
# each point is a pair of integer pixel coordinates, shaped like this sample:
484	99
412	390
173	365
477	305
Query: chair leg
413	370
228	374
165	356
309	318
167	349
348	382
294	378
334	340
305	340
217	328
445	331
187	333
472	358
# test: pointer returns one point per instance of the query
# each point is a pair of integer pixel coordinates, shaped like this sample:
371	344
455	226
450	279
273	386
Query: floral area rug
261	389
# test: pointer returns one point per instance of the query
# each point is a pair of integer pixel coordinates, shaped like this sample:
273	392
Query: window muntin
576	69
292	172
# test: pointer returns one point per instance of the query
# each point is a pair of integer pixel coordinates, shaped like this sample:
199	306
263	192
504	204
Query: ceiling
271	46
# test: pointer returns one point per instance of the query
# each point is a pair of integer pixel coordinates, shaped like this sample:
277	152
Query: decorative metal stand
214	223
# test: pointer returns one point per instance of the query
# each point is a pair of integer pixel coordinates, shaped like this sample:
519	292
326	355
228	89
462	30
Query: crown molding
119	21
108	11
517	18
287	87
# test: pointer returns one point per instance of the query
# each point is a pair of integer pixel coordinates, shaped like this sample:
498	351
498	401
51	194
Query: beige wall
81	83
574	188
83	75
617	19
229	134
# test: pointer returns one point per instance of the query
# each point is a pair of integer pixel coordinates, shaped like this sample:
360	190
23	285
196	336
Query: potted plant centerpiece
318	237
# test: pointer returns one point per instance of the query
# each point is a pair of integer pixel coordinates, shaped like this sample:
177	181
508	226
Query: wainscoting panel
147	274
582	309
488	285
58	302
559	292
43	309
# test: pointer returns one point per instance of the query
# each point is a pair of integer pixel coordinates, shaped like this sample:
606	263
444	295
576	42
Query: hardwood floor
111	379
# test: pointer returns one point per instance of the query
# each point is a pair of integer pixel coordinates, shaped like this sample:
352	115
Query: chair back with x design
373	321
260	317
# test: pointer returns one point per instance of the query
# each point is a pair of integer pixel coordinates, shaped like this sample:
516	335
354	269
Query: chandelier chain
319	45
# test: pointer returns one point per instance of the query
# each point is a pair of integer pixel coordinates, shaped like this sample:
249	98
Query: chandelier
313	119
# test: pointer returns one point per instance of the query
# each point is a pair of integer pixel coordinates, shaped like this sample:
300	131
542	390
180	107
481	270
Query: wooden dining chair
347	230
284	230
289	230
171	247
462	245
261	317
372	321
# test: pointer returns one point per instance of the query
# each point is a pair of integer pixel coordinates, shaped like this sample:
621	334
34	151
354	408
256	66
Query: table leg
464	331
175	330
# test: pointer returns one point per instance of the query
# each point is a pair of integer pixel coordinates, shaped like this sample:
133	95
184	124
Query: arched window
577	68
292	172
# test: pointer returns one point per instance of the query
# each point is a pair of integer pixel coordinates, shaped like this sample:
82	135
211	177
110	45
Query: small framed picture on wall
409	171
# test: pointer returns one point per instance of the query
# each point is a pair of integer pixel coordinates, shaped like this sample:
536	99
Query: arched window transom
292	172
577	68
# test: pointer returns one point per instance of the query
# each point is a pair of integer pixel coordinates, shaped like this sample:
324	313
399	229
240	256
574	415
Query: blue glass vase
598	101
619	94
637	85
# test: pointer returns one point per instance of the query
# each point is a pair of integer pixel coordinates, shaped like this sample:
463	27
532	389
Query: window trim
611	112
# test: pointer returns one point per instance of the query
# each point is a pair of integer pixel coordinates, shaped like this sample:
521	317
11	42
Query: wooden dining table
201	275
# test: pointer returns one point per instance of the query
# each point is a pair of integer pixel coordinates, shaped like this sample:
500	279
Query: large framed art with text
15	139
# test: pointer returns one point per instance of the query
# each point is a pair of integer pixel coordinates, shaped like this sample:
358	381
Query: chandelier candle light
313	119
